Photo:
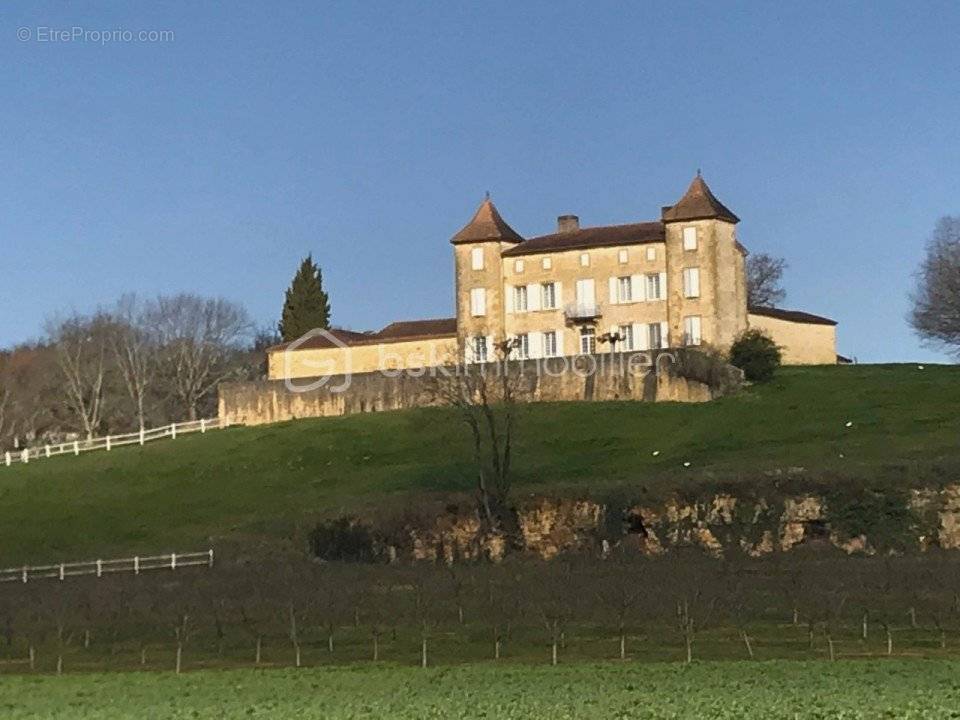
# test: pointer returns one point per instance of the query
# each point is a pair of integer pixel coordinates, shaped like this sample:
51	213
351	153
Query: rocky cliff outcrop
719	524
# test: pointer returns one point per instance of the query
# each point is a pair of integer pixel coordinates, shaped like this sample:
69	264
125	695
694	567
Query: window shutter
508	291
533	297
663	286
535	340
560	342
491	350
558	295
664	335
641	337
613	291
638	288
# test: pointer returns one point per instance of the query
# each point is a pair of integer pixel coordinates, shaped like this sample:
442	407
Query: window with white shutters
520	298
689	238
626	337
548	293
478	302
588	341
523	346
476	258
691	282
654	336
624	290
653	287
691	330
550	344
480	349
518	266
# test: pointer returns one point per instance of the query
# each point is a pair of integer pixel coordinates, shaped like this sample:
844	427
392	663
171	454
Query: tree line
142	363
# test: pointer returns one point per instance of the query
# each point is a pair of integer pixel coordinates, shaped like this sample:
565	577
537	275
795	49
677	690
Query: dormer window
689	238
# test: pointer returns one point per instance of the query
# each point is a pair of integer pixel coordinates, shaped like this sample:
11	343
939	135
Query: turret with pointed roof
486	226
699	204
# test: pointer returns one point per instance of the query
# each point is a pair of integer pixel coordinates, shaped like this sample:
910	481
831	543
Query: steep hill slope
272	482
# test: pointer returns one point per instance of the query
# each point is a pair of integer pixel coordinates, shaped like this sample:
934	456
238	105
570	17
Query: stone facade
677	281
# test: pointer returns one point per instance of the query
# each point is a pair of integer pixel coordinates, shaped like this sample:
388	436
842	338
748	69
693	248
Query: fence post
173	561
25	456
141	436
46	449
62	574
203	426
136	565
7	459
24	573
76	447
108	443
99	568
211	557
173	431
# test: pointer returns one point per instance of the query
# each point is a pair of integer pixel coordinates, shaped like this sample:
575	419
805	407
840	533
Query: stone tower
479	281
706	267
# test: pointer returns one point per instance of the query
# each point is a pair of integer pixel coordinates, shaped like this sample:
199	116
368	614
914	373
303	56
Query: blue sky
366	133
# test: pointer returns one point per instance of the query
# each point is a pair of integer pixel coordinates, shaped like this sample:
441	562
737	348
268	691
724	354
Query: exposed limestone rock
949	532
550	527
797	512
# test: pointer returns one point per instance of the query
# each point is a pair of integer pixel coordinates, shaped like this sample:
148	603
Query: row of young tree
682	605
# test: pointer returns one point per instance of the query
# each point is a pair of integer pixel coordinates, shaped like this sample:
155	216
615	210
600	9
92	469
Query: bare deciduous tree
81	347
197	337
936	301
764	277
134	352
485	394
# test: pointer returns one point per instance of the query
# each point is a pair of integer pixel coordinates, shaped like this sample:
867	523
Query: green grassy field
273	481
843	689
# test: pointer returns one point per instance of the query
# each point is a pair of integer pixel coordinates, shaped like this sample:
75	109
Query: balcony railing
582	311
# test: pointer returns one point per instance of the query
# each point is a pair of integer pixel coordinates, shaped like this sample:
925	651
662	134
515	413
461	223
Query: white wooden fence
136	565
110	441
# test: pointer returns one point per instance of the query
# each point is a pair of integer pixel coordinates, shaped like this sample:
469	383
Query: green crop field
266	482
734	690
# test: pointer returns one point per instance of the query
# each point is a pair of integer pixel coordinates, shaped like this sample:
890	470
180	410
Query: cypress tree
307	306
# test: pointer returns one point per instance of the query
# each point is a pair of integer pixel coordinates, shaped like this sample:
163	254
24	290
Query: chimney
568	223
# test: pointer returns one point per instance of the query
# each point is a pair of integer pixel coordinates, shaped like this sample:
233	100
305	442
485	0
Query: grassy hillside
271	480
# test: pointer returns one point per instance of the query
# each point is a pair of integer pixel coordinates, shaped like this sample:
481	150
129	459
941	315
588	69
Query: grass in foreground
269	481
847	689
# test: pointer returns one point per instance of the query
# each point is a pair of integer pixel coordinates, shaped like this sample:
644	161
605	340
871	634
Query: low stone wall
684	376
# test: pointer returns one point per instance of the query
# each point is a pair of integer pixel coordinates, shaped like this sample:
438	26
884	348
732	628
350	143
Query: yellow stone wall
566	269
407	354
800	343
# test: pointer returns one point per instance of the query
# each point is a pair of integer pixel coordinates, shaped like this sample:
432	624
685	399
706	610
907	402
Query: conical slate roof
486	225
699	204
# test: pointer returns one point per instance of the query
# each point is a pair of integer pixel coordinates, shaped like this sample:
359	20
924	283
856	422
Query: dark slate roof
796	316
394	332
609	235
419	328
699	204
486	225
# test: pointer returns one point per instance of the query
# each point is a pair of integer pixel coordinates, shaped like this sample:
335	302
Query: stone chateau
676	281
